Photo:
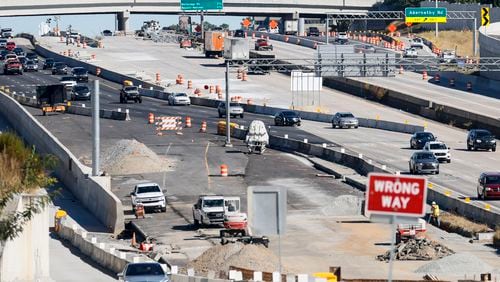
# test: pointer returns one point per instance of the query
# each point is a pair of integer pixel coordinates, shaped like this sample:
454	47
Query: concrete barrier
447	200
93	191
185	278
320	117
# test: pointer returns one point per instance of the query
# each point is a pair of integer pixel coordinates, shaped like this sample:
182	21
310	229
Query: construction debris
417	249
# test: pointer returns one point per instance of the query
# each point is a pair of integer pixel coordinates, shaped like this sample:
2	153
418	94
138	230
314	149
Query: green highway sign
425	15
201	5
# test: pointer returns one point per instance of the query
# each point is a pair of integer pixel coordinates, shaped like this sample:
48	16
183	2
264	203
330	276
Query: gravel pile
417	249
132	157
219	258
459	264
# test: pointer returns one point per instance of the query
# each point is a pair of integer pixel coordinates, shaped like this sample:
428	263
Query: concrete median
93	191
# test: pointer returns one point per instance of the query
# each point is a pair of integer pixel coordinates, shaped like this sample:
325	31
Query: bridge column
123	18
301	27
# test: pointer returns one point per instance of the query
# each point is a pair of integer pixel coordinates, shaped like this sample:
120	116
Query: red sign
396	195
392	28
246	22
273	24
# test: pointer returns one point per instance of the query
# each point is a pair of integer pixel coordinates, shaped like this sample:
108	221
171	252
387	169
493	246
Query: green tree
224	26
22	170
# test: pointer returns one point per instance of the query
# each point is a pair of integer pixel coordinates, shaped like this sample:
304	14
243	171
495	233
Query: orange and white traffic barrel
437	78
190	84
223	170
188	122
203	128
424	75
97	71
151	118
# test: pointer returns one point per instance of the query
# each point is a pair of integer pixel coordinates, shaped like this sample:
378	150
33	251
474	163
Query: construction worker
59	218
434	216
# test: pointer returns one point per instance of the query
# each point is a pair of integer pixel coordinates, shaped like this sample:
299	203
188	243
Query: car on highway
19	51
448	56
59	68
235	109
417	43
107	32
481	139
179	99
48	63
10	45
150	196
68	81
239	33
423	162
81	74
143	271
488	185
30	66
439	149
410	53
208	210
11	56
23	60
313	31
3	42
80	92
341	38
287	118
33	57
418	139
344	119
3	54
263	44
12	66
130	92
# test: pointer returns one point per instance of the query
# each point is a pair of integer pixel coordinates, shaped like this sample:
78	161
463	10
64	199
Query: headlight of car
420	164
138	200
478	141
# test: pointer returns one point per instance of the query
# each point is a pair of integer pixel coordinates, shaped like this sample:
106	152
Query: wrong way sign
402	195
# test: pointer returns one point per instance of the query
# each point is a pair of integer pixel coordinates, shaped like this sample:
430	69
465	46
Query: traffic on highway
211	152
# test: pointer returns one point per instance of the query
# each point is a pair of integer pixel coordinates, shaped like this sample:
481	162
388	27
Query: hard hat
433	202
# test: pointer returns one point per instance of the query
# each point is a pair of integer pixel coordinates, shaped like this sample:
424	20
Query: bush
461	225
496	238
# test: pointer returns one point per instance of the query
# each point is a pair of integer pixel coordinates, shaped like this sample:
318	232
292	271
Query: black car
19	51
48	64
313	31
481	139
23	60
418	139
287	118
107	32
239	33
80	92
59	68
81	74
32	57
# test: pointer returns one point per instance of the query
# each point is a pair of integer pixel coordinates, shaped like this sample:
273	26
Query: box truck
214	43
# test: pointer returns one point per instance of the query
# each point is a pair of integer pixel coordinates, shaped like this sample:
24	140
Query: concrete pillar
302	27
123	18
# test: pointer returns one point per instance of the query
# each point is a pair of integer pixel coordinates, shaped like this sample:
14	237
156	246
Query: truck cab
209	210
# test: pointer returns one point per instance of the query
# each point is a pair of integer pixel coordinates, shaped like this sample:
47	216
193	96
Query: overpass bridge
292	9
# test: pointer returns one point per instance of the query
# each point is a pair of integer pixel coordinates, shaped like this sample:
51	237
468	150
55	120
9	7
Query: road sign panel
392	28
246	22
426	15
485	16
389	194
201	5
273	24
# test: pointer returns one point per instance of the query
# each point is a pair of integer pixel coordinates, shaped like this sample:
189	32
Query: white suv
150	196
439	149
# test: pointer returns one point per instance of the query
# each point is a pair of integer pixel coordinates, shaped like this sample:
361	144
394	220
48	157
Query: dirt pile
219	258
417	249
133	157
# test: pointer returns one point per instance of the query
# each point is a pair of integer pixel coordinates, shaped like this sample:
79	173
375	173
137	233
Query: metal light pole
437	28
228	115
327	24
95	130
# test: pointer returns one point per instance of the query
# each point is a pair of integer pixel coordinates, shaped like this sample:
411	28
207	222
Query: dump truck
214	43
51	98
236	48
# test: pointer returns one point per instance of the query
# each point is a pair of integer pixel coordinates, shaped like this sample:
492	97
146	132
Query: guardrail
93	191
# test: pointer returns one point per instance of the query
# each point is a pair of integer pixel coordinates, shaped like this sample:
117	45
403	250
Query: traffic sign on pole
485	16
201	5
426	15
393	195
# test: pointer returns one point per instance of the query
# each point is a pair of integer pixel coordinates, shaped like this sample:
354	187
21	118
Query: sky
92	25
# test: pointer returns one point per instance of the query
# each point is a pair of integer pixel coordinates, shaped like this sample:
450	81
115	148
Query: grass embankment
461	41
461	225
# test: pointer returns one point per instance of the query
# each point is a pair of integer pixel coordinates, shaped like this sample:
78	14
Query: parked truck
291	27
236	48
214	43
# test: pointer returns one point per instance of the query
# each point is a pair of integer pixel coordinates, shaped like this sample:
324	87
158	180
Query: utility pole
95	130
228	115
437	28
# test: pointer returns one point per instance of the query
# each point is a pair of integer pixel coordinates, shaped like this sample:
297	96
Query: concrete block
257	276
302	278
190	272
276	277
174	269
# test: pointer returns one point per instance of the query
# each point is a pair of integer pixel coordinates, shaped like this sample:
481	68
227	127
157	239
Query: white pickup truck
150	196
212	209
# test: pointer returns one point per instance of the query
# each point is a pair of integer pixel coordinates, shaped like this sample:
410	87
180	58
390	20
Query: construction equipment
214	43
406	231
257	138
51	98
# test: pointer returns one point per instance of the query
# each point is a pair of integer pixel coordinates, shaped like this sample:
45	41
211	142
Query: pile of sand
133	157
219	258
